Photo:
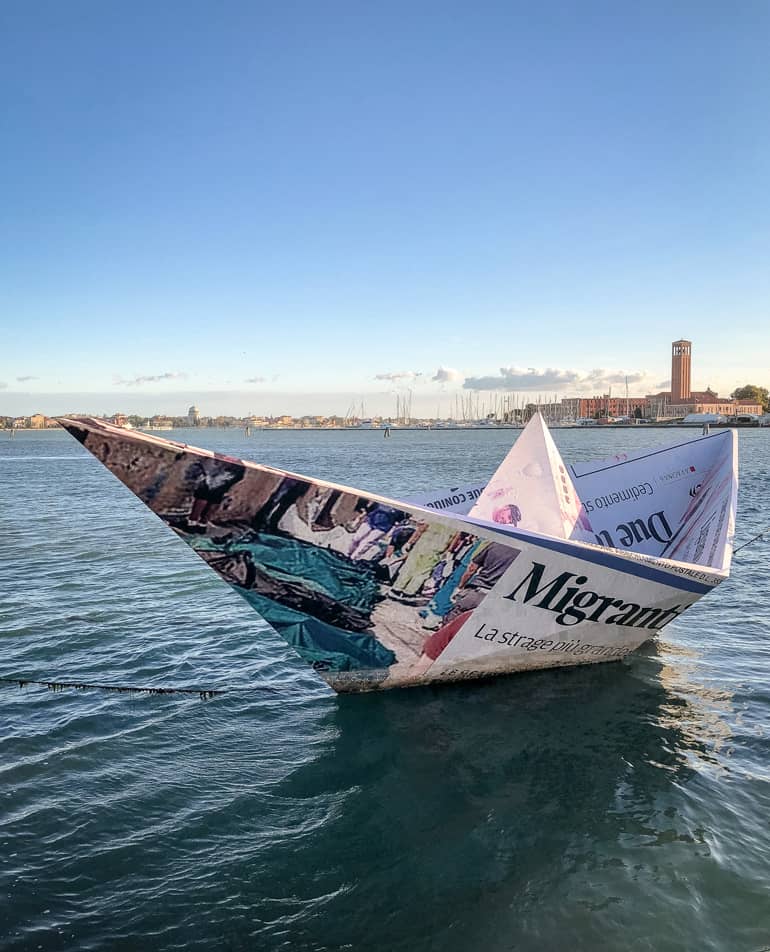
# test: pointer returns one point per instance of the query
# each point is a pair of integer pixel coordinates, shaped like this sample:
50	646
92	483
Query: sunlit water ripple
619	806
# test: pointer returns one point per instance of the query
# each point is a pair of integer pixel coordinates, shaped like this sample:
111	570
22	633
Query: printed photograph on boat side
379	593
365	592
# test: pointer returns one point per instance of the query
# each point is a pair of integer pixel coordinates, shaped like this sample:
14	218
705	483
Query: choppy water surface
619	806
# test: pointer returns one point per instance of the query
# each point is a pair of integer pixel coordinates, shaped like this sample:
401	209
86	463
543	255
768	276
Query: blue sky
287	205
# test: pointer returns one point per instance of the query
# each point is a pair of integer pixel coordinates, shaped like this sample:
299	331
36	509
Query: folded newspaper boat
546	565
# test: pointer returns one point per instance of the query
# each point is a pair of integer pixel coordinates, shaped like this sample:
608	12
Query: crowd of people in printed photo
444	573
456	584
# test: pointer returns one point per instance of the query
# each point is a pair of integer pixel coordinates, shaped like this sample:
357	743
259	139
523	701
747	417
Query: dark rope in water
204	695
759	536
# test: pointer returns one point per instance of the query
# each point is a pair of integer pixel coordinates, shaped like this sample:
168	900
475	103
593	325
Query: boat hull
376	593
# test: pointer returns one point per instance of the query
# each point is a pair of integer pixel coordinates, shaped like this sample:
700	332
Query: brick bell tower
680	371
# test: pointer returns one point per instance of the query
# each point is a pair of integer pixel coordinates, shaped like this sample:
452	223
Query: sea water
616	806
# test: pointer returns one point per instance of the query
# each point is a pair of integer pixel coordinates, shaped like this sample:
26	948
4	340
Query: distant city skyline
448	393
229	403
297	208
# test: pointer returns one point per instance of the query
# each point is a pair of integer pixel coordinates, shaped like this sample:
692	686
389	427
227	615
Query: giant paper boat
546	565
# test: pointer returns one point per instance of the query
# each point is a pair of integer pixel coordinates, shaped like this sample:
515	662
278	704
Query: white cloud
25	379
3	385
553	379
448	375
399	375
255	380
604	378
515	378
156	378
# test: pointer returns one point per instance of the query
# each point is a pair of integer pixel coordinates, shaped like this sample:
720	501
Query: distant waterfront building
160	422
580	408
194	416
728	408
681	400
678	402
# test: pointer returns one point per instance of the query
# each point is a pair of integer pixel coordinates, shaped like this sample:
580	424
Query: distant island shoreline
388	428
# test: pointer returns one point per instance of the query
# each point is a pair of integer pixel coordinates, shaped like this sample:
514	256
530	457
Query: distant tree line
753	394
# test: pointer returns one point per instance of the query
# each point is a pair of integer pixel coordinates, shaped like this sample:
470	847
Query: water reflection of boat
700	713
546	566
565	790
